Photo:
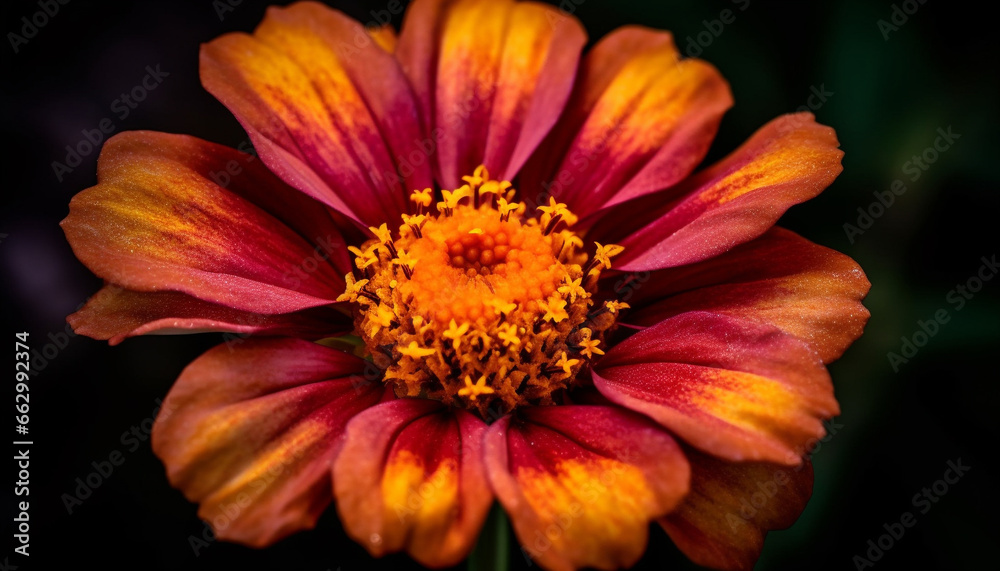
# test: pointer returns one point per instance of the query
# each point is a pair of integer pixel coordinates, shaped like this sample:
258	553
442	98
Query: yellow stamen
497	296
405	259
382	233
473	390
616	306
572	289
455	333
589	348
382	317
423	197
354	289
507	332
604	254
555	309
415	351
566	364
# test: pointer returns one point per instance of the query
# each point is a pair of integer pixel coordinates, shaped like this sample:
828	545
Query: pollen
485	289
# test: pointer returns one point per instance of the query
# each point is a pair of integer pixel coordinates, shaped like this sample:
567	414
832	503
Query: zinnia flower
470	264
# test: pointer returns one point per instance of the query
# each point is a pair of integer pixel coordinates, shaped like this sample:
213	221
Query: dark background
897	430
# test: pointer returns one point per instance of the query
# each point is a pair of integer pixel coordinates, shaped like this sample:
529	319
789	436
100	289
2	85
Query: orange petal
733	388
385	36
249	433
788	161
327	108
640	120
492	77
115	314
782	279
581	483
161	219
410	477
722	523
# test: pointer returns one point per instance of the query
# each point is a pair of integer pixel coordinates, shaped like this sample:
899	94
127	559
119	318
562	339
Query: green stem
492	551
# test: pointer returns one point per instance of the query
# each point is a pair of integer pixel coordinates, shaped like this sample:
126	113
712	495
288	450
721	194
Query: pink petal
492	77
788	161
722	523
733	388
158	221
581	483
640	120
115	314
250	432
326	106
410	477
780	279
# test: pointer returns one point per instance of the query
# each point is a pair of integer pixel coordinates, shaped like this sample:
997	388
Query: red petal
492	77
733	388
410	477
327	107
788	161
249	432
581	483
722	523
157	221
781	279
116	314
640	120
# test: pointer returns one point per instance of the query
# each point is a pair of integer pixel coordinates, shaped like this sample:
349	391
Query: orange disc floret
480	291
471	259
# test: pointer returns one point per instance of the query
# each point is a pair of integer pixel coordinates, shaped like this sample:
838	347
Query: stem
492	551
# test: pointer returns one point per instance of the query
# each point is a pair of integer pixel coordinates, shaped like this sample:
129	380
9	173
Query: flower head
470	265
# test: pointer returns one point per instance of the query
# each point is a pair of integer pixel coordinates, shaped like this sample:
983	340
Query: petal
159	220
640	119
788	161
250	432
492	77
733	388
722	523
326	106
384	35
780	279
581	483
115	314
410	477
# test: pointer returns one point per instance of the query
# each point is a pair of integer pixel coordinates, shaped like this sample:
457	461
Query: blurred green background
886	91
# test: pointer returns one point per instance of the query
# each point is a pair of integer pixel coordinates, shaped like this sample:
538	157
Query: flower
548	308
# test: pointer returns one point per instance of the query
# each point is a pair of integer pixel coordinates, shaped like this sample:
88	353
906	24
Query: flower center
481	306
